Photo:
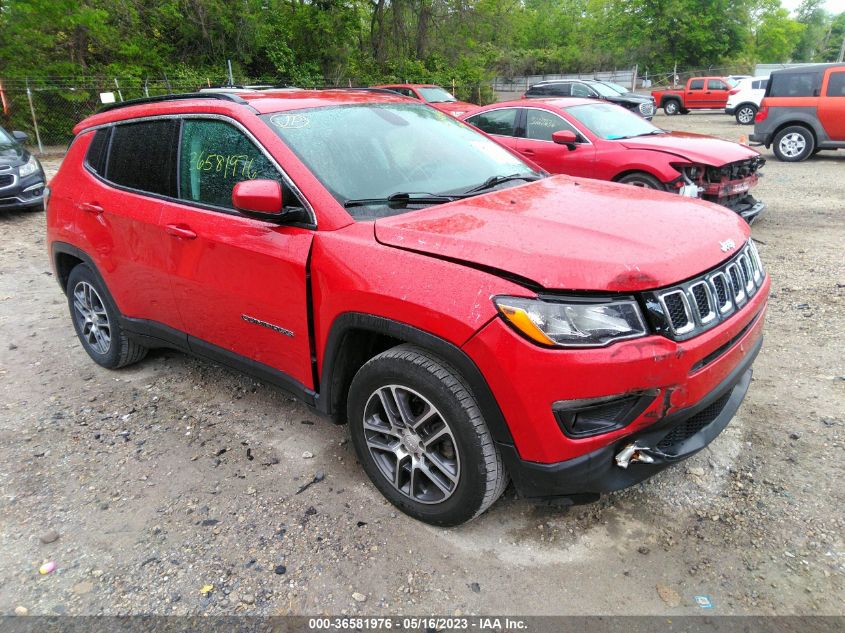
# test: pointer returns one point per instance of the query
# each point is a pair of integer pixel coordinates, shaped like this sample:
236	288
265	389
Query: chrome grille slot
677	308
700	295
737	283
694	306
722	292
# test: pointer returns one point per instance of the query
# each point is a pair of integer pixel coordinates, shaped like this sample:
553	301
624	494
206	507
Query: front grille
736	170
684	430
6	180
647	109
690	308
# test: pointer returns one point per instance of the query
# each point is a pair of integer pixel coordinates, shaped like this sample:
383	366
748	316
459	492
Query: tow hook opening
634	453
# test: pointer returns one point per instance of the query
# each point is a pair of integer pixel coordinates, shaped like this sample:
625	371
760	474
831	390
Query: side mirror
20	137
260	198
565	137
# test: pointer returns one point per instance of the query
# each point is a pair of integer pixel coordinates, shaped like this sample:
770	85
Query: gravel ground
175	486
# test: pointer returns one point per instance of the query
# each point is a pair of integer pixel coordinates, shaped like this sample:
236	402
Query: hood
632	97
696	148
567	234
454	106
13	155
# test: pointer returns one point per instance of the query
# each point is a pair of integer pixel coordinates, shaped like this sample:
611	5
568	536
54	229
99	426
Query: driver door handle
180	231
527	151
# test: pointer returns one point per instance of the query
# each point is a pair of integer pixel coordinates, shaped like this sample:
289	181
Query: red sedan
435	96
580	137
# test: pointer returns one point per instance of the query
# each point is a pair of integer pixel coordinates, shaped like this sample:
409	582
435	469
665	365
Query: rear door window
698	84
214	157
716	84
499	122
836	85
143	156
559	90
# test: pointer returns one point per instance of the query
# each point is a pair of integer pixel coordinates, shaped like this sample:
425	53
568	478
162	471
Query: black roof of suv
593	89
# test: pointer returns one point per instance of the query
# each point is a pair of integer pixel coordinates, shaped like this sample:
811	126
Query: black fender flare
349	321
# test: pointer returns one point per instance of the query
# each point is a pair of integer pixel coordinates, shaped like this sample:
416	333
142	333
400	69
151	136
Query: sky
834	6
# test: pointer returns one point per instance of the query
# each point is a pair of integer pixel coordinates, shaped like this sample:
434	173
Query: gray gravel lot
174	475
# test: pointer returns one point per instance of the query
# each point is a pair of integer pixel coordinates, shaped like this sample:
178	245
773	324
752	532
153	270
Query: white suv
744	99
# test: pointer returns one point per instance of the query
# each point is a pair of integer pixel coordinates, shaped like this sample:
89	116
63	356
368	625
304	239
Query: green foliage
460	42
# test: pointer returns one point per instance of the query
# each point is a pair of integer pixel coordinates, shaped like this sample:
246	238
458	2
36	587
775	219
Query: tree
775	33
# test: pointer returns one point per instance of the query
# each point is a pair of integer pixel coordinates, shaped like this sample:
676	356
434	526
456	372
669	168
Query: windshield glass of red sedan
611	122
435	95
373	151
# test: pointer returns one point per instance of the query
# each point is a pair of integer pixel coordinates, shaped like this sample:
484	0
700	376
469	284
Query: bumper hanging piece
633	453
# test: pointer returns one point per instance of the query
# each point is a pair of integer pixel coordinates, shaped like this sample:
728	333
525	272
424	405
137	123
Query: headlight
29	168
573	322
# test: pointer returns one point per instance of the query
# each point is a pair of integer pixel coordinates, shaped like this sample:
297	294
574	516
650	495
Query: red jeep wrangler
473	320
701	93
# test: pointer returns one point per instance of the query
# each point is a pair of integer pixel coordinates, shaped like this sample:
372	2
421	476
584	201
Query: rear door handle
180	231
527	151
90	207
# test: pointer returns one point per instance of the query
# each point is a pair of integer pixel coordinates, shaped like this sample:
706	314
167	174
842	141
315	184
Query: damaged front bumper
636	457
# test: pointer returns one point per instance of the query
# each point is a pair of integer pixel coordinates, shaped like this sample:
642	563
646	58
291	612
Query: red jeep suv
473	320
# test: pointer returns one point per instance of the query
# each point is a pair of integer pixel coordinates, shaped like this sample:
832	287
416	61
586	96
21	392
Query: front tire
794	144
642	179
671	107
745	114
421	438
97	321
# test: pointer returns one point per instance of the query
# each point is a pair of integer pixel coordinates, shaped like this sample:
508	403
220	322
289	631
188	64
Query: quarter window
142	156
500	122
98	151
795	84
836	85
214	157
540	124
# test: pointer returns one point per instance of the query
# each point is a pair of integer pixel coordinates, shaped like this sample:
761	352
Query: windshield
619	89
610	121
6	138
604	90
435	95
370	152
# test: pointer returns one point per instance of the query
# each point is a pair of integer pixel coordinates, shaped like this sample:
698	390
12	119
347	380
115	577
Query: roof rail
222	96
362	89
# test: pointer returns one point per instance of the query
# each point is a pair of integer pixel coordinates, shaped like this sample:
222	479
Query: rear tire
97	321
671	107
794	144
745	114
421	438
642	179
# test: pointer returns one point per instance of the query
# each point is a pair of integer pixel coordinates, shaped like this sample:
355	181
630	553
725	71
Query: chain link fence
48	109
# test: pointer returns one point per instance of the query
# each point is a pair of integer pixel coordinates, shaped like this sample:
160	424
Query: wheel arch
66	257
797	123
639	170
667	98
356	337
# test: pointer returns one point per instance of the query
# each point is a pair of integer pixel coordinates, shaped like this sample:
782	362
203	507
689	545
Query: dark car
594	89
21	176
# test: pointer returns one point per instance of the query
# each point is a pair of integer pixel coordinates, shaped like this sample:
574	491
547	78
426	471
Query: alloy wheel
792	145
412	444
745	115
92	318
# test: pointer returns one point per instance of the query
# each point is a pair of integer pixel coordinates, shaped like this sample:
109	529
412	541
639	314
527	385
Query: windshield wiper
498	180
401	199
